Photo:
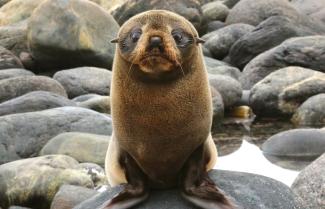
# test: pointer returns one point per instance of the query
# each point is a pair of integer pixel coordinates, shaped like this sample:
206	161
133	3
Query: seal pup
161	110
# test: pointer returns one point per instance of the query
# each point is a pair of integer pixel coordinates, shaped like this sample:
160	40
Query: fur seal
161	110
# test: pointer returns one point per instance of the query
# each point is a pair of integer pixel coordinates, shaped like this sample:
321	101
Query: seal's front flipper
135	191
197	187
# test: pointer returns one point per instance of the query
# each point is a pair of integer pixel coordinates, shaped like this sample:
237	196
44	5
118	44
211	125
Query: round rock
215	10
99	104
8	59
15	72
225	70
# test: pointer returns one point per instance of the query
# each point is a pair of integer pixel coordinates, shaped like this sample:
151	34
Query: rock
3	2
34	101
296	143
249	190
18	86
214	25
96	173
190	9
33	182
225	70
85	80
8	60
219	42
312	8
254	12
18	141
311	112
264	96
218	108
83	147
308	52
229	88
99	104
214	11
268	34
83	98
309	185
14	72
211	63
17	10
18	207
230	3
69	196
79	36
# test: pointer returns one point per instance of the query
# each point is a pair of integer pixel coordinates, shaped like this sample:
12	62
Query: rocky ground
266	66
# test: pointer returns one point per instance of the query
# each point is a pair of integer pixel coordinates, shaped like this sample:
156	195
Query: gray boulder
14	72
79	36
8	59
214	11
34	101
211	63
99	104
312	8
311	112
218	108
309	185
85	80
23	135
33	182
225	70
85	97
248	190
306	52
220	41
18	86
83	147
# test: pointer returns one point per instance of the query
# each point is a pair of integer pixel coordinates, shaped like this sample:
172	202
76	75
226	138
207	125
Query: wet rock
268	34
79	36
83	147
17	10
214	11
18	141
69	196
17	86
249	190
264	96
309	185
85	80
96	173
311	112
99	104
296	143
304	51
8	59
26	182
219	42
34	101
190	9
83	98
225	70
229	88
14	72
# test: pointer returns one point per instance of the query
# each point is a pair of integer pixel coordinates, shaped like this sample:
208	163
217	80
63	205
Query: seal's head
157	42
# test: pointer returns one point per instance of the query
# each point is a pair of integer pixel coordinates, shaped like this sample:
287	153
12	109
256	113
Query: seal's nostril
155	41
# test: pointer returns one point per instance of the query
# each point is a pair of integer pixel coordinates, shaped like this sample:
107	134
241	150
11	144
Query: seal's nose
155	42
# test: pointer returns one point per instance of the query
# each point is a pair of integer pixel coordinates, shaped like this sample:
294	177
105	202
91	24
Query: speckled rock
14	72
18	141
18	86
83	147
79	36
26	182
309	185
85	80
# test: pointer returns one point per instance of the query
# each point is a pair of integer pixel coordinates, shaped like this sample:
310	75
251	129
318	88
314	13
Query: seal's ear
199	40
115	40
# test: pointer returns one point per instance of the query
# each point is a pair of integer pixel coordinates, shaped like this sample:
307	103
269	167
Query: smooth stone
79	36
33	182
268	34
220	41
309	185
18	141
14	87
211	63
83	147
311	113
96	172
308	52
229	88
190	9
8	59
218	108
214	11
214	25
99	104
14	72
248	190
296	143
85	97
312	8
85	80
69	196
34	101
264	96
225	70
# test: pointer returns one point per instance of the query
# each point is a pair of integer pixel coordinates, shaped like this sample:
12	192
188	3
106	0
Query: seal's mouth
156	58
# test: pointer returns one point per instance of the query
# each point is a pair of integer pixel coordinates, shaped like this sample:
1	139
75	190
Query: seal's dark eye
135	35
177	37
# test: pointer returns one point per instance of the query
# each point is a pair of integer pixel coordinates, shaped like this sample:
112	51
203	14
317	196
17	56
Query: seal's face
157	41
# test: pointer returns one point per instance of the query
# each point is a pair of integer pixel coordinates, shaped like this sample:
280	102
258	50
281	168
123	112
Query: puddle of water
249	158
